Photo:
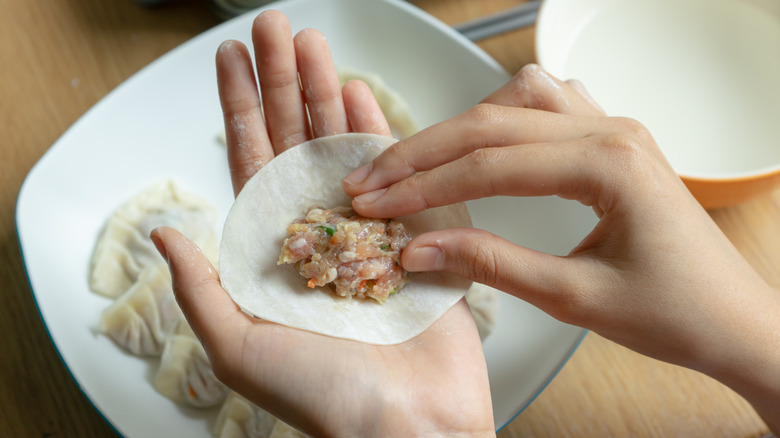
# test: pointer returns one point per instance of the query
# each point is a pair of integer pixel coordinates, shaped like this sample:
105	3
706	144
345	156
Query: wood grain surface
59	57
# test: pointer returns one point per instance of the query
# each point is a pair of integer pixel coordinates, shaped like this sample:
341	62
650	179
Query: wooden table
60	57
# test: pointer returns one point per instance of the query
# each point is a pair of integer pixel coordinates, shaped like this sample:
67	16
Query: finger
363	111
484	125
533	87
570	170
320	82
277	72
248	146
541	279
210	311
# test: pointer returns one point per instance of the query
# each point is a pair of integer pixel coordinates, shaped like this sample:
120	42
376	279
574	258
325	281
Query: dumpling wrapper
310	175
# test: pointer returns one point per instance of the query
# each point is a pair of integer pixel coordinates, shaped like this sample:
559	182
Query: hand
433	384
655	274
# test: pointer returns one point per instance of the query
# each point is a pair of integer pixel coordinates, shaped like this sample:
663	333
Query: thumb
546	281
205	304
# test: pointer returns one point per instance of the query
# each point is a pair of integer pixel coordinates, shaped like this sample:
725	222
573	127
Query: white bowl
702	75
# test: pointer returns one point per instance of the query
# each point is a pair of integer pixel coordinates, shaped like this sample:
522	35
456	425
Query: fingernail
358	176
159	243
425	258
370	197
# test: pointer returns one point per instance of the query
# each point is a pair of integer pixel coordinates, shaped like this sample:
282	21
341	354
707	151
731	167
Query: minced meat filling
359	256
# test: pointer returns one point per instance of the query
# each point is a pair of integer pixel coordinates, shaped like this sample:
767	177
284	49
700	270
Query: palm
340	383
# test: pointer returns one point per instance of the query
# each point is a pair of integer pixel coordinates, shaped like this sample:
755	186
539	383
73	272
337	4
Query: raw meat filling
359	256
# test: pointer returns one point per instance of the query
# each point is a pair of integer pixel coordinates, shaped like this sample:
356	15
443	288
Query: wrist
747	358
429	418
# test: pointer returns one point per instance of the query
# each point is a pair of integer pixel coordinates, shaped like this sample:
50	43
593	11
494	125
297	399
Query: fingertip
229	52
159	242
363	110
351	182
229	45
423	258
307	36
358	87
269	17
187	262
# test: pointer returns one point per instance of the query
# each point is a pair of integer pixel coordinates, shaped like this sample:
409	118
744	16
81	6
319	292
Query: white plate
163	123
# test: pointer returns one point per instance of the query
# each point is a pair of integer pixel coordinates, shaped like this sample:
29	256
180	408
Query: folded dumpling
124	249
185	374
284	430
240	418
141	318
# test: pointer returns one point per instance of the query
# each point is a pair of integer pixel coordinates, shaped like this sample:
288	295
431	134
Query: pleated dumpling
240	418
141	318
124	249
284	430
185	374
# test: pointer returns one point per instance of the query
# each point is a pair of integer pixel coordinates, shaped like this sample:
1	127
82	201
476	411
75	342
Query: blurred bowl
702	75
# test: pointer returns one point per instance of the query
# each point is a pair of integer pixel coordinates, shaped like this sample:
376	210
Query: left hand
433	384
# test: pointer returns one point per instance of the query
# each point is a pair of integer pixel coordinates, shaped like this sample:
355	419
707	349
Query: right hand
655	274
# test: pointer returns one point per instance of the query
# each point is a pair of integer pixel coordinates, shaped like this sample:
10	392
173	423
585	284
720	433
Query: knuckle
481	163
482	263
484	116
414	194
239	105
626	149
632	127
397	156
479	158
527	74
277	78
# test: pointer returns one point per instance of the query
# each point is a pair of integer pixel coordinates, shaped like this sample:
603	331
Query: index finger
482	126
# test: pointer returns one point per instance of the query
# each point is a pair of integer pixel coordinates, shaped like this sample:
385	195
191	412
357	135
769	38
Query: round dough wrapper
310	175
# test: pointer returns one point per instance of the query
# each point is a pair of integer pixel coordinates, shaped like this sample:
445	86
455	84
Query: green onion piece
385	246
328	230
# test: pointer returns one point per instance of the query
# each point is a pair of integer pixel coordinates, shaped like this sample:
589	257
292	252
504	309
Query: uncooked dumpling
124	249
142	317
240	418
185	374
